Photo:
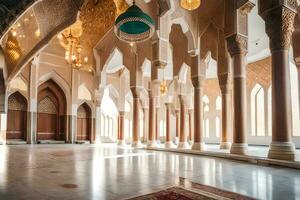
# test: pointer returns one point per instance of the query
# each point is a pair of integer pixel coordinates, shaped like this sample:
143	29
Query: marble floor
107	172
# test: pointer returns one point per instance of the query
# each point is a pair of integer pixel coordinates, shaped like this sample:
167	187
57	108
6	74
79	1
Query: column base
225	145
198	146
183	145
282	151
136	144
169	144
121	143
152	144
239	148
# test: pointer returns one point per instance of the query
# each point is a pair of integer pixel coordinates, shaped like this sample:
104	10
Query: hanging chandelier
73	47
190	4
163	88
134	25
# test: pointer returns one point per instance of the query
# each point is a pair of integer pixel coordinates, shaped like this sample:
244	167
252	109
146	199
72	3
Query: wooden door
47	119
16	117
83	123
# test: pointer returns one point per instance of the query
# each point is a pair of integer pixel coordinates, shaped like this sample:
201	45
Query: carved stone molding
246	8
198	81
279	27
225	82
225	78
237	44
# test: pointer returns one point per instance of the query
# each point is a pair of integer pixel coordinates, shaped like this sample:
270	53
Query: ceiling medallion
134	25
190	4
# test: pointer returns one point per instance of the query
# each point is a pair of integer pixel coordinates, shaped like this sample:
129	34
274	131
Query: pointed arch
84	93
52	113
17	116
257	107
188	33
84	122
114	62
52	75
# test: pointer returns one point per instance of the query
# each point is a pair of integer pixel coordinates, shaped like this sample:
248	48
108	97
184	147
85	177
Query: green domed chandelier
134	25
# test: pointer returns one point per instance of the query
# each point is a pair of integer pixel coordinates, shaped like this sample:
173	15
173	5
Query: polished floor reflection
107	172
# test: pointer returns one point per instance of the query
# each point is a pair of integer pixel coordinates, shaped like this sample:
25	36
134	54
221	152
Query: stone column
33	101
177	116
157	127
298	70
237	47
145	126
279	17
183	126
198	113
152	121
226	91
169	142
191	124
97	123
136	122
121	129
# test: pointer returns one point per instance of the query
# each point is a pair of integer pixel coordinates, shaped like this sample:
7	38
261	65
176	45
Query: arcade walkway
107	172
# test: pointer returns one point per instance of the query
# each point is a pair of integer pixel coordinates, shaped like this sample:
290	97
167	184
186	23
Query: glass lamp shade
190	4
134	25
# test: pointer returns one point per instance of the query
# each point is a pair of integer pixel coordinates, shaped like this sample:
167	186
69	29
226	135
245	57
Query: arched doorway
51	112
16	117
83	123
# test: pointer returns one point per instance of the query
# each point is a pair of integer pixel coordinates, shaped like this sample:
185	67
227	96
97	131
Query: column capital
168	105
225	78
297	61
198	81
182	99
279	26
237	44
121	113
135	90
226	89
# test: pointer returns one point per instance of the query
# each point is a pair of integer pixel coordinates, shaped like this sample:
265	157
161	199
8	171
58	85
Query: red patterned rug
186	190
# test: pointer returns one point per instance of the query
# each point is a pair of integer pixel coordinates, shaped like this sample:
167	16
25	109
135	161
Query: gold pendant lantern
190	4
163	88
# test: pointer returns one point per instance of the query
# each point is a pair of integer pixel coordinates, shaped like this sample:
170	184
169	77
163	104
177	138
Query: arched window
207	128
295	99
106	127
126	128
162	128
218	103
141	131
206	108
217	127
270	111
111	129
205	99
257	111
109	114
130	129
102	124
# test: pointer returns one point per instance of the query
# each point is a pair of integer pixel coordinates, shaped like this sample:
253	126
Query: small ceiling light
14	32
86	59
37	33
190	4
131	44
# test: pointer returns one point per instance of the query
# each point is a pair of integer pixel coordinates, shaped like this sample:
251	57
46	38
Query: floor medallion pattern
187	190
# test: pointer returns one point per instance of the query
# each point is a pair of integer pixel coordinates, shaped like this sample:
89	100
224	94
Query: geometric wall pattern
15	104
47	106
